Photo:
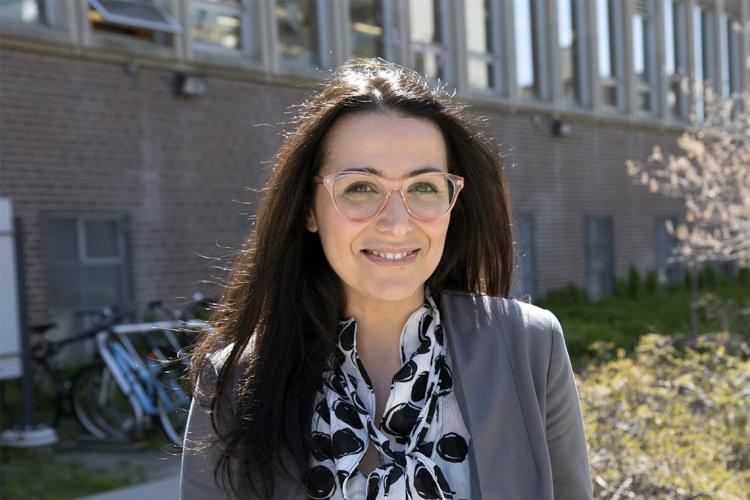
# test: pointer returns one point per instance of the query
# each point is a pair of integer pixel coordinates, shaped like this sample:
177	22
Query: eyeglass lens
428	196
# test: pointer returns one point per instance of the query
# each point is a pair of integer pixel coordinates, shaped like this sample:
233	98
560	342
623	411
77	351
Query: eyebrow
410	173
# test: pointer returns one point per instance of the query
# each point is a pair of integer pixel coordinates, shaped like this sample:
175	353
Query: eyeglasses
362	196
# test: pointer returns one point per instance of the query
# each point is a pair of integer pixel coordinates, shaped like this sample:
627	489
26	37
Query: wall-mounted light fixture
560	128
189	85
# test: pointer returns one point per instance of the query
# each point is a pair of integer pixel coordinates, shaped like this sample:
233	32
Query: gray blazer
515	386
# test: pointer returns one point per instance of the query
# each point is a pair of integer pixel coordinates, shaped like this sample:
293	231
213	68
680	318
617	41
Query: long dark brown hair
283	299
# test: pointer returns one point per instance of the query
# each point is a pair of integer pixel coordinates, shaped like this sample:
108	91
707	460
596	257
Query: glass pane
102	285
60	240
479	26
63	285
700	60
21	10
731	30
298	32
134	13
523	244
101	238
429	63
609	94
526	56
644	100
669	36
568	39
481	74
217	28
640	53
366	30
605	29
425	24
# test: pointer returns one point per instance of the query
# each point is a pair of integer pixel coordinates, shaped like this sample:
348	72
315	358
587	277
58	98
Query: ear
312	223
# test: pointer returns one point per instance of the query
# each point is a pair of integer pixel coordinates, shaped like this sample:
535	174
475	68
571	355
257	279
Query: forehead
390	143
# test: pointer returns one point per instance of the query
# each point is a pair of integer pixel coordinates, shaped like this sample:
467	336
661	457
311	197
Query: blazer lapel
501	454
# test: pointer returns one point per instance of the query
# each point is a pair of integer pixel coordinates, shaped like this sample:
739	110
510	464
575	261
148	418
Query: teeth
390	256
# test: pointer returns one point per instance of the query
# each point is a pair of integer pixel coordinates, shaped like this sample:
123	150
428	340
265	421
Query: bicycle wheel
173	402
102	408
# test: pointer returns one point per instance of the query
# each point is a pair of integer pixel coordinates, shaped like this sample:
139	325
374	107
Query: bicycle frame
138	378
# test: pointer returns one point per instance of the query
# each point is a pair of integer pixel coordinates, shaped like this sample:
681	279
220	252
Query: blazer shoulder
212	366
534	319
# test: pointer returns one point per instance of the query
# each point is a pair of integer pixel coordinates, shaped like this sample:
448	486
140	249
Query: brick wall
84	137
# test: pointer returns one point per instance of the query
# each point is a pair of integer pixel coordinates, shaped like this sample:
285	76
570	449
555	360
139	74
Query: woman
363	347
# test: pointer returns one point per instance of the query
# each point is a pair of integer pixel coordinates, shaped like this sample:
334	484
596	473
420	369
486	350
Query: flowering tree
712	174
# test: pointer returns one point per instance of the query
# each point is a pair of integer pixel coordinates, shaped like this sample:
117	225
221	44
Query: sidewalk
164	489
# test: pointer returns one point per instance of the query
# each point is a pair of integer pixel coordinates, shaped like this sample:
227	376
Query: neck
379	325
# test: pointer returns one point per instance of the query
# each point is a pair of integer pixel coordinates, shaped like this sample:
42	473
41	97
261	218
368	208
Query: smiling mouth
397	256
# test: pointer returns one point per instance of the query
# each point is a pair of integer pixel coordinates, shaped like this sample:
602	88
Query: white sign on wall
10	346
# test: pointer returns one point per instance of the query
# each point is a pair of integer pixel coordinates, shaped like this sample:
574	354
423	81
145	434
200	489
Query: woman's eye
423	187
361	187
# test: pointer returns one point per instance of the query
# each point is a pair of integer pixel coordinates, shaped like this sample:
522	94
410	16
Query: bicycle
126	393
52	388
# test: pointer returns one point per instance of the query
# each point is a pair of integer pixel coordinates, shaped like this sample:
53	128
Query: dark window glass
527	48
568	43
600	257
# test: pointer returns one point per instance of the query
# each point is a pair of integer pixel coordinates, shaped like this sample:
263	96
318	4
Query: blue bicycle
121	398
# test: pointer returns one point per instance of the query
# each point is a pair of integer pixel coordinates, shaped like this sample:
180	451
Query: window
674	57
367	28
703	31
297	22
27	11
569	34
607	32
600	256
643	49
218	24
428	34
524	273
731	65
86	266
527	47
484	62
668	273
143	19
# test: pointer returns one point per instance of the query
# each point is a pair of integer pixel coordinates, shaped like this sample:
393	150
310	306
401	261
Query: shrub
652	282
569	295
671	421
707	277
634	282
743	276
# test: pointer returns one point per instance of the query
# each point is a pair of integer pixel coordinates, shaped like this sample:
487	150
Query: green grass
38	474
623	320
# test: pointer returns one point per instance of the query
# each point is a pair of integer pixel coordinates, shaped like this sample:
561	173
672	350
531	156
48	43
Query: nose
394	218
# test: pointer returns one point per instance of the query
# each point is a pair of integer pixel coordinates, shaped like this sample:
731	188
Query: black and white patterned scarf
422	440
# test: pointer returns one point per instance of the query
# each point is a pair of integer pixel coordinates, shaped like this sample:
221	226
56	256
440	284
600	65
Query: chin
393	291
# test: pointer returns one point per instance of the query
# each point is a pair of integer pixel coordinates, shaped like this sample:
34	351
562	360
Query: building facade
135	133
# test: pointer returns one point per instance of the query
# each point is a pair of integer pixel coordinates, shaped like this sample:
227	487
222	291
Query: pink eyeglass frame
329	179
